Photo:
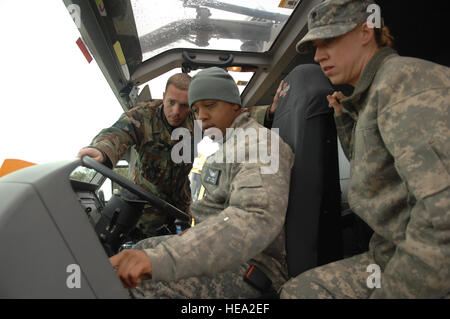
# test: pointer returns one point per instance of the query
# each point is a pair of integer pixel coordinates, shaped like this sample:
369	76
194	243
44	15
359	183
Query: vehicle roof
413	27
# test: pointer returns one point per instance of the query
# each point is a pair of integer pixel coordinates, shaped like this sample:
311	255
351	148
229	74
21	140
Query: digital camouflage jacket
399	149
146	127
241	217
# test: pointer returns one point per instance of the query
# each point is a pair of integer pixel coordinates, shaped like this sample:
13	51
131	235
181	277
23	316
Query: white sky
53	102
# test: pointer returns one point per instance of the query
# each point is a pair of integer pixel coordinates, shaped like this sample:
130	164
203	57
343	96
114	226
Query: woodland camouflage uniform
146	127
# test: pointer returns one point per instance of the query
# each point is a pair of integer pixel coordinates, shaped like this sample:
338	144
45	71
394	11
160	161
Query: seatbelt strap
256	278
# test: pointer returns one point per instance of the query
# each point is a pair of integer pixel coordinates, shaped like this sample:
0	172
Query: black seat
305	122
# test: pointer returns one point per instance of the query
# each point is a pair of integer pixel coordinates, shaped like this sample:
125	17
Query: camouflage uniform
241	222
261	114
146	127
400	183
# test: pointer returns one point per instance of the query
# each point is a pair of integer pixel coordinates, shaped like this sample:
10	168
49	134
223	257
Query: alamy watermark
74	278
374	280
75	12
250	145
374	20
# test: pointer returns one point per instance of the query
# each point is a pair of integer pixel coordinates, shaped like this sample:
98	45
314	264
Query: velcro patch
212	176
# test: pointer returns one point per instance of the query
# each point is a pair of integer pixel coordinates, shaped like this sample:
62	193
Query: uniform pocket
423	170
248	189
367	140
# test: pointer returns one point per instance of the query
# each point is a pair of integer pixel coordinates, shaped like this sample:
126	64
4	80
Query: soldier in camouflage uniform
149	126
395	129
241	218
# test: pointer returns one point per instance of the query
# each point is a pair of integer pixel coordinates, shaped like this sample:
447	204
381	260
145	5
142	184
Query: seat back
306	123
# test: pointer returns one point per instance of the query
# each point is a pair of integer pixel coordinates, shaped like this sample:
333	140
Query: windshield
232	25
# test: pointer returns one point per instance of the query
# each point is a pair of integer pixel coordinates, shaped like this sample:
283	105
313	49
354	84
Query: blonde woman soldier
395	129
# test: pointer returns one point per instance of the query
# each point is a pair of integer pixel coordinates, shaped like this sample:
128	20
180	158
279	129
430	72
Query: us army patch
212	176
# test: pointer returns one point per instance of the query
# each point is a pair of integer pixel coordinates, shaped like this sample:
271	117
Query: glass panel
83	174
232	25
158	85
241	79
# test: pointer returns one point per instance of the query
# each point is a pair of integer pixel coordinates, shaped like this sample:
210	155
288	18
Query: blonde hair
383	37
180	80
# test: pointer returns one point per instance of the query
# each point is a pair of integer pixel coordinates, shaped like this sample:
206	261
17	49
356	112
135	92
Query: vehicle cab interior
136	42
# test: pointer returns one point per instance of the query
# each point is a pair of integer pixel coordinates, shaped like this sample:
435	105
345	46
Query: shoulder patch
212	176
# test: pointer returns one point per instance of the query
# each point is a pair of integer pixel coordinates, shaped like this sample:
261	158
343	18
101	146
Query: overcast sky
52	101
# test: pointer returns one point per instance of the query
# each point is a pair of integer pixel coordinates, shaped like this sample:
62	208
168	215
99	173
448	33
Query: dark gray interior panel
43	230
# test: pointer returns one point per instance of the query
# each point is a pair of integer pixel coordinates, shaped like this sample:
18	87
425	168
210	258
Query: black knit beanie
213	84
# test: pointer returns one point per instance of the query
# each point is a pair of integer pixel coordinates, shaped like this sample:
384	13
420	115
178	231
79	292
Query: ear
236	107
367	34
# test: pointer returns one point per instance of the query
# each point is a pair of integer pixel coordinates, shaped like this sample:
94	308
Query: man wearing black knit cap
240	219
214	87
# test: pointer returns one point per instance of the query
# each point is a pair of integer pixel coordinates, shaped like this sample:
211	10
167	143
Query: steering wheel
122	213
135	189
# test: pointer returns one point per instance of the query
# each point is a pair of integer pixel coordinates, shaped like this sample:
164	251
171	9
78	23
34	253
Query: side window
109	188
83	174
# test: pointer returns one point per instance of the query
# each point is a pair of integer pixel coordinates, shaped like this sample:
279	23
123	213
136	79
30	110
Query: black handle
226	60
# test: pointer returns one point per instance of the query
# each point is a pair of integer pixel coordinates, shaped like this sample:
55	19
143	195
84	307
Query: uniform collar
352	104
238	122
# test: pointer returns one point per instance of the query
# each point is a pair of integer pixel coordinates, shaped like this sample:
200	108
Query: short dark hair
180	80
